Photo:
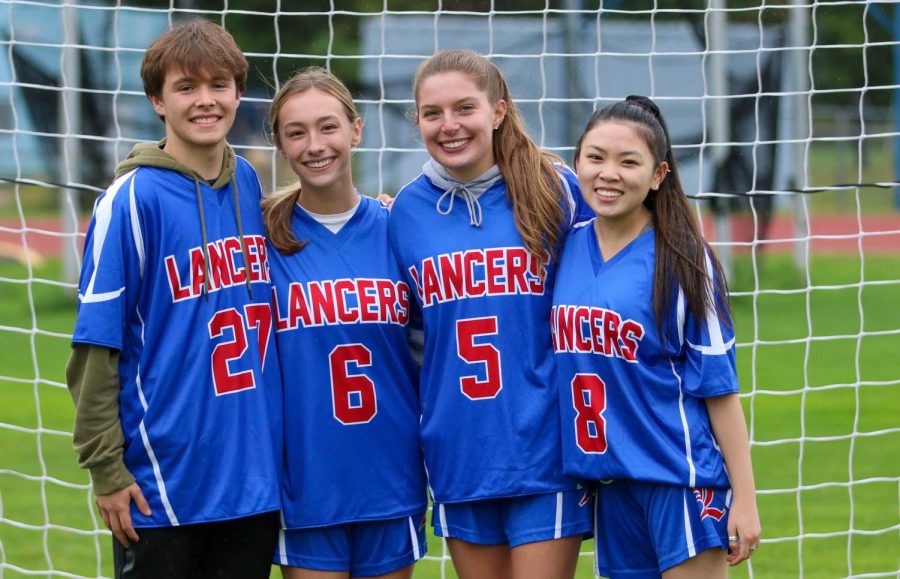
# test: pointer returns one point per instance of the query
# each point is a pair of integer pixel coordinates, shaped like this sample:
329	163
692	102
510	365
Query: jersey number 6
487	354
352	395
589	400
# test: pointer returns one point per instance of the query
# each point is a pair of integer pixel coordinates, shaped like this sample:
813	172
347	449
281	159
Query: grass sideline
803	437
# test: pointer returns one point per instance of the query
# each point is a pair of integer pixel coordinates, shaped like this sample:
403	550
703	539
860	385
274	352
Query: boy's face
198	110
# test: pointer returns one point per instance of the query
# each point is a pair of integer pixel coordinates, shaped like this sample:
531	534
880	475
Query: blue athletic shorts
515	521
644	529
365	549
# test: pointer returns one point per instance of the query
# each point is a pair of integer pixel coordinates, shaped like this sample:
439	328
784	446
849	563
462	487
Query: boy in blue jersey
353	496
177	394
476	236
646	368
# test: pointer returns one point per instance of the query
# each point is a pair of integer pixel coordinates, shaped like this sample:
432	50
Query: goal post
783	116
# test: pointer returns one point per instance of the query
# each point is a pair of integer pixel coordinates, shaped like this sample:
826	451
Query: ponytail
277	212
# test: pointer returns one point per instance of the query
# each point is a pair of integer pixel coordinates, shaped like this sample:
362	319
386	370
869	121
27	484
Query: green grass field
822	413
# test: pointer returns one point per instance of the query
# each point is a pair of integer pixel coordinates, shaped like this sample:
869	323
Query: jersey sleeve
111	268
708	346
577	210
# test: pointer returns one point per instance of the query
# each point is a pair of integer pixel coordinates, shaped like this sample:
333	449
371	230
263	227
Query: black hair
683	258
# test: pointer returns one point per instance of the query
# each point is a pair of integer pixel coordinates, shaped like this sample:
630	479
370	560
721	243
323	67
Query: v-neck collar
315	230
597	261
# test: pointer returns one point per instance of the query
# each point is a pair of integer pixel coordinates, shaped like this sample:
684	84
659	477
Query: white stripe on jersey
102	218
163	496
442	519
717	345
136	228
557	526
687	431
688	534
414	537
282	548
570	198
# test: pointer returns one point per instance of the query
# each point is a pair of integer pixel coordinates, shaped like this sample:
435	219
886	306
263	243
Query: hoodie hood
152	155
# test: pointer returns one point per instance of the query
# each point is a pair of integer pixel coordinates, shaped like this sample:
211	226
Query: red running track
829	234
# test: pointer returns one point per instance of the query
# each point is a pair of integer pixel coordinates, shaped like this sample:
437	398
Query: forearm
92	376
730	429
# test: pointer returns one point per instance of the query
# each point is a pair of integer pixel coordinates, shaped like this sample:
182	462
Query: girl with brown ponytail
478	234
645	359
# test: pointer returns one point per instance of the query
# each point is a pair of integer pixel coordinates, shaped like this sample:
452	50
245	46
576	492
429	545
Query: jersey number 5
352	395
487	354
258	316
589	400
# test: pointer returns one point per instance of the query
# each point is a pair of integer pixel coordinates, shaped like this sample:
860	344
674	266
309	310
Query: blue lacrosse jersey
200	398
490	411
632	406
351	410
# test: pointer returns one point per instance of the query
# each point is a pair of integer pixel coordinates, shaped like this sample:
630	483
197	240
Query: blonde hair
532	183
278	209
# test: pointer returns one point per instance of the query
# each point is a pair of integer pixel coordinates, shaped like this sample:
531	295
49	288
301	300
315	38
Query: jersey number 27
255	316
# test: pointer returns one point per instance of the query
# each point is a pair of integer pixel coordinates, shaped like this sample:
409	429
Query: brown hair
278	209
532	183
681	251
195	46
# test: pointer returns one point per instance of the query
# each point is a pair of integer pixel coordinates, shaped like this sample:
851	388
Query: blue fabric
633	407
490	417
367	549
516	521
200	397
644	529
351	411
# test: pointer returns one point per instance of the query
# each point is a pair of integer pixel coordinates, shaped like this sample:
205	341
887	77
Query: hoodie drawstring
237	215
203	240
471	200
240	228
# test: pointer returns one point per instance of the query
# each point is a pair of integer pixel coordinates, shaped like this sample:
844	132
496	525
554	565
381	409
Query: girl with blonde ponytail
341	309
478	234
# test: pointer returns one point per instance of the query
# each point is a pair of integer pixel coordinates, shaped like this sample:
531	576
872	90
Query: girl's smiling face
457	122
617	170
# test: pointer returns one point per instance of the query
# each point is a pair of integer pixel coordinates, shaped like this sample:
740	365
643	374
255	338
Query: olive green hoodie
92	373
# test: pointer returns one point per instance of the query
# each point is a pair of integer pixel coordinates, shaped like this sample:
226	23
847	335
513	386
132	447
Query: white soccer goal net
786	120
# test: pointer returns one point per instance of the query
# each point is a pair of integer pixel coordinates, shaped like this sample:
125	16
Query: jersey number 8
589	401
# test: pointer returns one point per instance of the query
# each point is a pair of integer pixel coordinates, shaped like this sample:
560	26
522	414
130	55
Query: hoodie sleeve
92	376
